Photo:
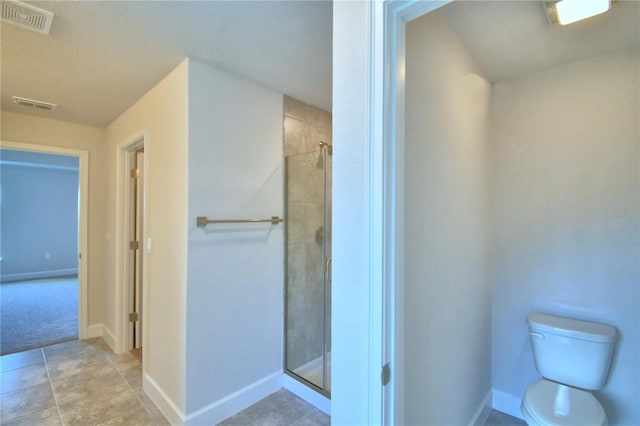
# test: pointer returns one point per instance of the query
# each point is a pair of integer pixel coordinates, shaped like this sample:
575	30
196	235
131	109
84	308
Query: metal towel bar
204	221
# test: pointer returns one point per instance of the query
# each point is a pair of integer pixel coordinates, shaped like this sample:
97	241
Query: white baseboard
39	275
482	413
226	407
94	330
175	416
314	398
507	403
231	404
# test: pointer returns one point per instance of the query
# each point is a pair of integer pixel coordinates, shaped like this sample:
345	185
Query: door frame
386	103
124	150
83	212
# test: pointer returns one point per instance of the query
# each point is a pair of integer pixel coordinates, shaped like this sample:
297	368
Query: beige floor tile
26	401
48	417
156	415
20	359
137	353
133	376
137	418
100	409
123	361
60	366
24	377
74	348
97	384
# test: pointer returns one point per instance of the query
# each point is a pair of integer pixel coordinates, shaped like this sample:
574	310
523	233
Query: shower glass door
308	267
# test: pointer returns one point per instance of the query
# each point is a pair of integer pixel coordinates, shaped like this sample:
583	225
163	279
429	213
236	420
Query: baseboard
39	275
94	330
506	403
482	413
109	337
231	404
175	416
303	391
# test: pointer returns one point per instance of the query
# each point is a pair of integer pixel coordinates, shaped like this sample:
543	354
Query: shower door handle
327	266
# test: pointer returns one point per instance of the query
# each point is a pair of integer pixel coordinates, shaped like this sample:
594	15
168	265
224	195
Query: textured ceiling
102	56
512	38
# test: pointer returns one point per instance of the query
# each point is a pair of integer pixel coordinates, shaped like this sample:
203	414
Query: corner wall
566	218
351	290
234	307
163	112
447	323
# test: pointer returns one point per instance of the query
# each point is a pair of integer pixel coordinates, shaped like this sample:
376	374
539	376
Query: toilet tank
569	351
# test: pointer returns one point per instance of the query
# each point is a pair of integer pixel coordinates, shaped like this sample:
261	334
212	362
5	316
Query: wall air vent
33	103
27	16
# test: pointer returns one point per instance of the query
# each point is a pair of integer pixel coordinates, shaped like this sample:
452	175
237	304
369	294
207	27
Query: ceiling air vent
33	103
27	16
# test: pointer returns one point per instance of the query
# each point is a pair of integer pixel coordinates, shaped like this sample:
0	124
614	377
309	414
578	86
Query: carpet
37	313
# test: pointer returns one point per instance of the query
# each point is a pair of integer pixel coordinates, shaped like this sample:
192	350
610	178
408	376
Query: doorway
136	232
130	200
563	178
44	246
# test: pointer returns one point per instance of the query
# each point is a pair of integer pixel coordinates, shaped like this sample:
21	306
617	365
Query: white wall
39	214
235	271
447	293
42	131
351	286
565	216
163	113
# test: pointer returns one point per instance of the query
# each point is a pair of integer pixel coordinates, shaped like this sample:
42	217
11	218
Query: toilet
573	357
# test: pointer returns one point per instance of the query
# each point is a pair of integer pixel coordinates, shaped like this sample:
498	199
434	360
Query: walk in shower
308	157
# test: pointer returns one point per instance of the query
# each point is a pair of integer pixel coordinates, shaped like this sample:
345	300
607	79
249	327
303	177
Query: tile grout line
53	391
131	387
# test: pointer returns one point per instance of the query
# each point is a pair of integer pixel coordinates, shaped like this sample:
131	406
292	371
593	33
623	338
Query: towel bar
204	220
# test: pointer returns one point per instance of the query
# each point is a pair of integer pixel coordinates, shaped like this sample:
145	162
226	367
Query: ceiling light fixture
565	12
31	103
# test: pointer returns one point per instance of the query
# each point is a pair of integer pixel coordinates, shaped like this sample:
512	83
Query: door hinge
133	317
385	375
134	245
135	173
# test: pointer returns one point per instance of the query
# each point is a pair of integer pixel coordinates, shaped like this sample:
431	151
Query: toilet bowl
540	398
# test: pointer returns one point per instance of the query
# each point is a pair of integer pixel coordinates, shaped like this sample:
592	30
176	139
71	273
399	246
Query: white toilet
573	357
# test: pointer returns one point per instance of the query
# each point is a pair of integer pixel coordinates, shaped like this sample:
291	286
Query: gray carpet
37	313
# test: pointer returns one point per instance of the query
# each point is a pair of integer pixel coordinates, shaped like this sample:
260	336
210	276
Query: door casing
84	330
124	222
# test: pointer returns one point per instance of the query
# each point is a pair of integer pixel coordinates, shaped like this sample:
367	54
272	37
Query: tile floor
85	383
74	383
496	418
284	408
279	409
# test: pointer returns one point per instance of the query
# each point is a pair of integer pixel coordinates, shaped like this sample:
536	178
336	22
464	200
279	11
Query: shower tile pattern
304	128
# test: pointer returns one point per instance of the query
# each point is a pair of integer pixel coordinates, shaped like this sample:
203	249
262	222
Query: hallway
74	383
82	382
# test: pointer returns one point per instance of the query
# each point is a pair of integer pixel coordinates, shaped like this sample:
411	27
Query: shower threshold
312	372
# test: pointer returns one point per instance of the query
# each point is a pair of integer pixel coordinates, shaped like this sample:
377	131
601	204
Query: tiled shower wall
304	128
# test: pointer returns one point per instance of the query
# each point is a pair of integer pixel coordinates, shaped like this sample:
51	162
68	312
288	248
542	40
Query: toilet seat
538	400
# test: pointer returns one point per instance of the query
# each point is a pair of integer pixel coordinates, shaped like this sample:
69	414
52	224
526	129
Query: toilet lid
585	408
